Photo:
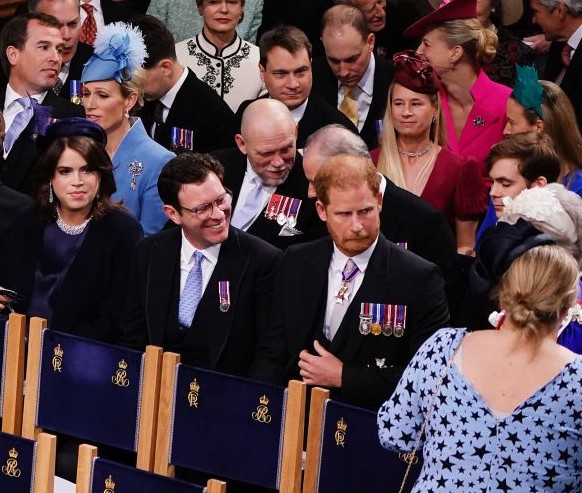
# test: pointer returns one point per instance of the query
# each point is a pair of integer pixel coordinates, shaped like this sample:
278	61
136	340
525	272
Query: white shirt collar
168	99
187	251
339	260
12	95
96	4
574	40
298	112
366	83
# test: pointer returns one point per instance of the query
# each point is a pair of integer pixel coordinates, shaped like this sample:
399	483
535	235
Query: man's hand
321	369
538	43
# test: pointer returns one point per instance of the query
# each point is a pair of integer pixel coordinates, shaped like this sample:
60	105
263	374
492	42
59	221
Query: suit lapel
348	339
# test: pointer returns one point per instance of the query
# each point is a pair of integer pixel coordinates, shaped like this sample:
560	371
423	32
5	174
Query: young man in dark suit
30	47
356	306
177	99
266	177
404	218
205	288
351	77
285	65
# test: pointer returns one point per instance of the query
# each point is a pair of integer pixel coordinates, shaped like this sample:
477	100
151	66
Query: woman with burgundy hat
456	44
412	153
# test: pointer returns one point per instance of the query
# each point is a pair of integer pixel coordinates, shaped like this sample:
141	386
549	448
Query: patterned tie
158	120
58	86
20	122
192	292
349	106
566	55
339	309
89	27
243	216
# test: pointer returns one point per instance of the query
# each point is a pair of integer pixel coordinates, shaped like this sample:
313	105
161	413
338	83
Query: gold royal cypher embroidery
11	467
193	394
109	485
58	359
120	377
262	412
340	433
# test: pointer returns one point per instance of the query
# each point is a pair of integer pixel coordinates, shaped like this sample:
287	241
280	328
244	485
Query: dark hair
185	168
15	33
97	160
158	39
290	38
534	153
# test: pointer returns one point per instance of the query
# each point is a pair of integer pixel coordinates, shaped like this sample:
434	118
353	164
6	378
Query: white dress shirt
97	13
247	186
362	93
209	262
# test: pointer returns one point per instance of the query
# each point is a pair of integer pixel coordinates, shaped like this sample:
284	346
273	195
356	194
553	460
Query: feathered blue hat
527	89
119	51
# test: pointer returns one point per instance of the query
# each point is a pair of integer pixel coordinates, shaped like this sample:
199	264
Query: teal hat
527	89
119	51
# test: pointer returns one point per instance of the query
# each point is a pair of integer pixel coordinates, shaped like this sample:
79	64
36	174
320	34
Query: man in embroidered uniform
349	286
351	77
286	71
561	22
178	105
265	174
30	48
205	288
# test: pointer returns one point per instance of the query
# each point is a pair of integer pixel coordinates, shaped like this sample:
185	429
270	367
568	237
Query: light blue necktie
243	217
192	292
20	122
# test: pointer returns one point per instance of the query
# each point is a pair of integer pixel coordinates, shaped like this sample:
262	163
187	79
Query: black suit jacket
295	186
326	85
196	107
372	365
236	337
18	170
318	114
572	82
115	11
90	297
16	210
82	55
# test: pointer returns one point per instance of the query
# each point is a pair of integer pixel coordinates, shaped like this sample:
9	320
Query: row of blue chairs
173	415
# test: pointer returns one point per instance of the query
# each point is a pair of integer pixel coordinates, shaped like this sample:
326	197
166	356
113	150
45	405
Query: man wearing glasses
205	288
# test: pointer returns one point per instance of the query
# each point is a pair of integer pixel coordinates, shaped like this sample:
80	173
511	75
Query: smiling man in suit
30	46
181	112
266	177
356	306
205	288
351	77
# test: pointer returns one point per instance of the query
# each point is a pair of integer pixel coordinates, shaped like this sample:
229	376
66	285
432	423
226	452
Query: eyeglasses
205	211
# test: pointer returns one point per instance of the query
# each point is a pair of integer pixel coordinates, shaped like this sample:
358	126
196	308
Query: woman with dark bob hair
70	264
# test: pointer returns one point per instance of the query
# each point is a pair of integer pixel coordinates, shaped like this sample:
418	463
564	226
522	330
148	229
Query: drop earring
51	198
434	120
126	114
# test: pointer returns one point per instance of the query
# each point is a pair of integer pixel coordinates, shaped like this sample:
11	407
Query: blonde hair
389	162
538	288
479	43
136	84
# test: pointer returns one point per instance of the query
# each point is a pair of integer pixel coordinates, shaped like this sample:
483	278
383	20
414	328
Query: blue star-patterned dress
537	448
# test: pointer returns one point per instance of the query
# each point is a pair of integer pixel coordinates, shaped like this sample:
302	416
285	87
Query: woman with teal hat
542	106
113	85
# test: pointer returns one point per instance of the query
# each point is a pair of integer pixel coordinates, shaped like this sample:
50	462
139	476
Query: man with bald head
404	218
356	306
265	175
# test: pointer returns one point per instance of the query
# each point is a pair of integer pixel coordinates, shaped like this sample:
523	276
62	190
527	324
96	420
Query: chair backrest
96	475
12	338
344	453
26	465
92	390
230	427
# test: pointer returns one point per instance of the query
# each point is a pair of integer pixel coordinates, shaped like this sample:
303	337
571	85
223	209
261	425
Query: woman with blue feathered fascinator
113	87
541	106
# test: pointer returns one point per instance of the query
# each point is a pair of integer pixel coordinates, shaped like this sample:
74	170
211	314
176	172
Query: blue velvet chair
12	337
92	391
230	427
95	475
344	453
26	465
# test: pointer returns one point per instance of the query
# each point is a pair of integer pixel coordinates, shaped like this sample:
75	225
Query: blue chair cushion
352	458
230	429
86	391
128	478
16	463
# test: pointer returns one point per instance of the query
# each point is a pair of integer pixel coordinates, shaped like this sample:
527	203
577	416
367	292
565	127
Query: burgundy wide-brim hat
456	9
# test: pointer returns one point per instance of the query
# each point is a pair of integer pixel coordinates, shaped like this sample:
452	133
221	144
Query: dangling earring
433	120
51	197
126	114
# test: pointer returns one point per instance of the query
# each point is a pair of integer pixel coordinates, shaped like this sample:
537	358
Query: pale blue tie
243	217
20	122
192	292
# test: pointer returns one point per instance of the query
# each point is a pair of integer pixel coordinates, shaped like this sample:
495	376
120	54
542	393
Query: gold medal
376	329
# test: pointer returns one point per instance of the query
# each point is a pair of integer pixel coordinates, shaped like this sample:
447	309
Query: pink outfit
485	123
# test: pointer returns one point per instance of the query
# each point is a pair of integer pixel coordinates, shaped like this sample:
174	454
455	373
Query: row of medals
367	327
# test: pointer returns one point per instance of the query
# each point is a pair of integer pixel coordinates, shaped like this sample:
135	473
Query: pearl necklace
71	230
402	152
